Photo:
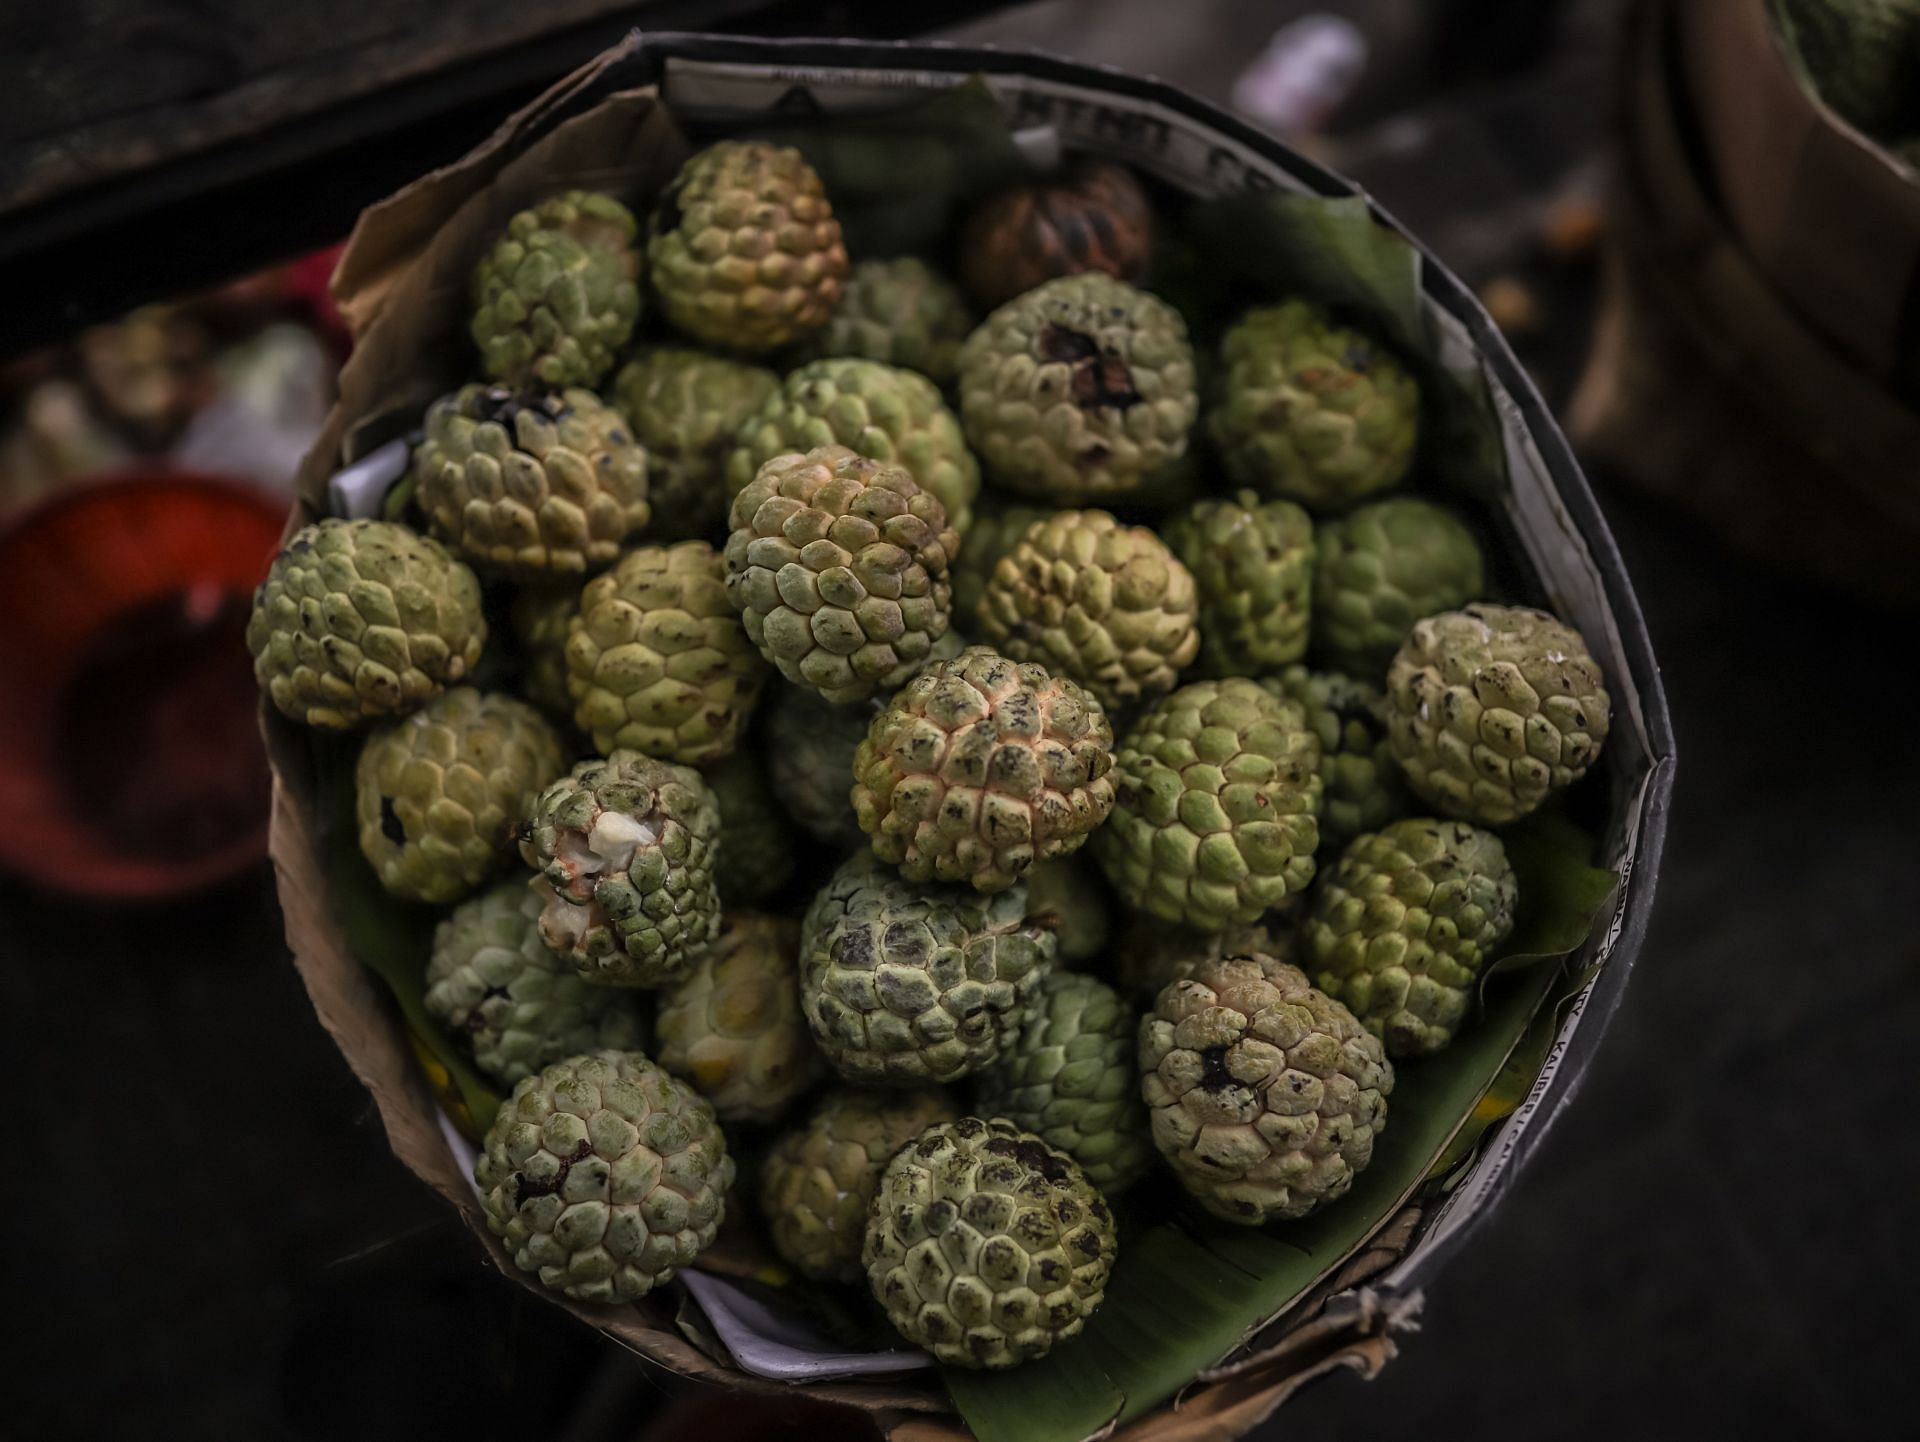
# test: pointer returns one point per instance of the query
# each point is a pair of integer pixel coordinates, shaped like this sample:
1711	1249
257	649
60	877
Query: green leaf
1187	1292
1561	890
393	940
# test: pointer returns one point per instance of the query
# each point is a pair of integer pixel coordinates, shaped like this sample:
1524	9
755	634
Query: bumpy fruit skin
684	407
1363	786
733	1027
981	766
1148	954
657	659
986	1246
902	312
555	299
1068	896
996	530
905	985
1106	604
744	250
810	749
1382	568
880	411
756	842
495	985
362	619
602	1174
1080	390
1252	565
1219	795
1092	216
1310	410
1493	709
1265	1095
530	486
437	794
1071	1080
838	566
624	848
1405	922
538	619
818	1181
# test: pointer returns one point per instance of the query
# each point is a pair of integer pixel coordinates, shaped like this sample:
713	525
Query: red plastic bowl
131	764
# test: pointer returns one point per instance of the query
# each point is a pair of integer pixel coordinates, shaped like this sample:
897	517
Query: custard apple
732	1025
1382	568
757	849
838	565
684	407
818	1181
437	794
880	411
902	312
985	1245
1264	1094
1067	896
1105	604
602	1174
1492	709
996	530
497	987
624	847
1363	786
530	486
1219	795
362	619
539	618
1310	410
810	749
1079	390
979	767
1403	925
905	984
1090	216
657	660
556	298
1070	1079
743	249
1149	953
1252	565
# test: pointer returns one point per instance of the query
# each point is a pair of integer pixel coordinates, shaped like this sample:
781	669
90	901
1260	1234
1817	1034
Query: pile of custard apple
960	761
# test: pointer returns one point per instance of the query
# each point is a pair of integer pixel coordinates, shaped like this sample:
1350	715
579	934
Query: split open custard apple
556	298
1363	789
902	312
743	249
1383	567
1252	565
1404	924
732	1025
1071	1080
881	411
1219	795
986	1246
602	1174
838	565
1080	390
531	486
437	794
684	407
624	847
1265	1095
1311	410
817	1182
500	990
657	659
1106	604
362	619
1493	709
906	984
810	749
981	766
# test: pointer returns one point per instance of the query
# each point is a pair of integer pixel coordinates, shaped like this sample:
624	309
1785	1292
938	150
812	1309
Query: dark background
206	1236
